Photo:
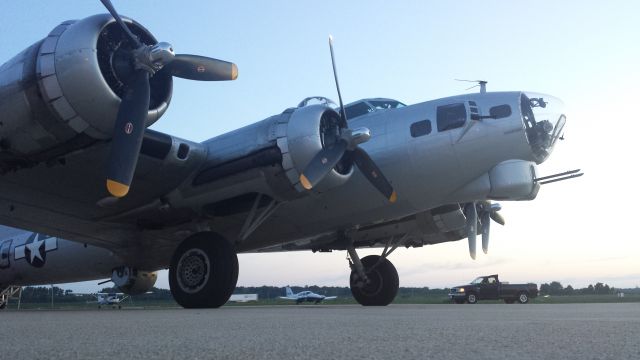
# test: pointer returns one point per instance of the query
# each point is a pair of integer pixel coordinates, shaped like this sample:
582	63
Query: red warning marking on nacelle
128	128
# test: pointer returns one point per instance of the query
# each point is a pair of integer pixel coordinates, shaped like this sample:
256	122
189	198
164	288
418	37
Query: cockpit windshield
544	119
366	106
385	104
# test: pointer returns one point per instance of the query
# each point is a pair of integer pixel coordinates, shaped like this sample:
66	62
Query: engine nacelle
65	90
132	281
307	131
284	142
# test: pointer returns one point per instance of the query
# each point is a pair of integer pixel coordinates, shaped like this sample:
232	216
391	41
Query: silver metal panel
63	108
281	130
78	125
283	145
49	45
286	161
58	30
51	87
513	180
46	65
293	176
11	74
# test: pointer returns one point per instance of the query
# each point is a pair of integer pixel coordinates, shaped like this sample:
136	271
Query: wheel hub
373	285
193	271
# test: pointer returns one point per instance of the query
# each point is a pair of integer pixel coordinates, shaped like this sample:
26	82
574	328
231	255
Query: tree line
556	288
42	294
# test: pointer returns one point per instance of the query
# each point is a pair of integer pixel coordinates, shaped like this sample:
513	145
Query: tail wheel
203	271
472	298
383	282
523	298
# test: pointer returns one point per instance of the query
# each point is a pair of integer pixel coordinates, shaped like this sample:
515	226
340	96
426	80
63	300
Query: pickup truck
490	288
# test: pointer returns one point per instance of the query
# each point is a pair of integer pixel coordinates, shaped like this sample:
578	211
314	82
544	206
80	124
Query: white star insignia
34	249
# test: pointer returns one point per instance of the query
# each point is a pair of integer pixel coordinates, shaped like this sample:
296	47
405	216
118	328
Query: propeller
145	61
346	147
471	213
485	211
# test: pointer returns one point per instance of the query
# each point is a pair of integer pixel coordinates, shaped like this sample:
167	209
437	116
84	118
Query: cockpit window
366	106
500	111
420	128
451	116
357	109
385	104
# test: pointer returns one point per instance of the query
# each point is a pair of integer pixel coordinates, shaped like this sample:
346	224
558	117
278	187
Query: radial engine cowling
69	85
132	281
307	131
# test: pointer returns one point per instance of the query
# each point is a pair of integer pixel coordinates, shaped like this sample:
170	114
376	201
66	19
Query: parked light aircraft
303	296
111	299
75	107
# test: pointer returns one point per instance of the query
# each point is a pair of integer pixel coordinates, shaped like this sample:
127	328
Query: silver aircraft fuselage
484	156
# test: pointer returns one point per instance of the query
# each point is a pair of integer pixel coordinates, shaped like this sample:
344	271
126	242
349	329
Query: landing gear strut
374	280
203	271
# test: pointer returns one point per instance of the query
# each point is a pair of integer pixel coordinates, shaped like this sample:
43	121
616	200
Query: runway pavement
481	331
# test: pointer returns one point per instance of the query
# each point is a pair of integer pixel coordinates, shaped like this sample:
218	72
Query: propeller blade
497	217
486	228
472	227
321	164
343	114
202	68
114	13
127	135
373	174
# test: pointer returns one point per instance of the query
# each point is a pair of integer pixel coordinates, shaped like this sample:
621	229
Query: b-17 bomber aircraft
302	296
97	194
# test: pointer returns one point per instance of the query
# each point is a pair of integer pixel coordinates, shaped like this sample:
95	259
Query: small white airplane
110	299
305	296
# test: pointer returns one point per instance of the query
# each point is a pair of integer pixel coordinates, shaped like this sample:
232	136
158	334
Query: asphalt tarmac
481	331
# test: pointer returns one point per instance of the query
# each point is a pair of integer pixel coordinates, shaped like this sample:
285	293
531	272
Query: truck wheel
472	298
523	298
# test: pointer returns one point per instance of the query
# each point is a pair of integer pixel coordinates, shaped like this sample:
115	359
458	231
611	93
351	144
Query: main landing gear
203	271
374	280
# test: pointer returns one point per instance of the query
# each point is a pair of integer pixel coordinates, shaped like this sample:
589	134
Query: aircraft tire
383	285
203	271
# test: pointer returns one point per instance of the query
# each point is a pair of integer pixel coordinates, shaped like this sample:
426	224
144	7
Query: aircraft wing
330	298
287	298
77	190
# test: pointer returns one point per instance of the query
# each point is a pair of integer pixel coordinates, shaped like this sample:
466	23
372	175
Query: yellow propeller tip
234	71
117	189
305	182
394	197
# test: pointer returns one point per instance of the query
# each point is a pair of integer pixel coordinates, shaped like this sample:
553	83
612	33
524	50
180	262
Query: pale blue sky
584	52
